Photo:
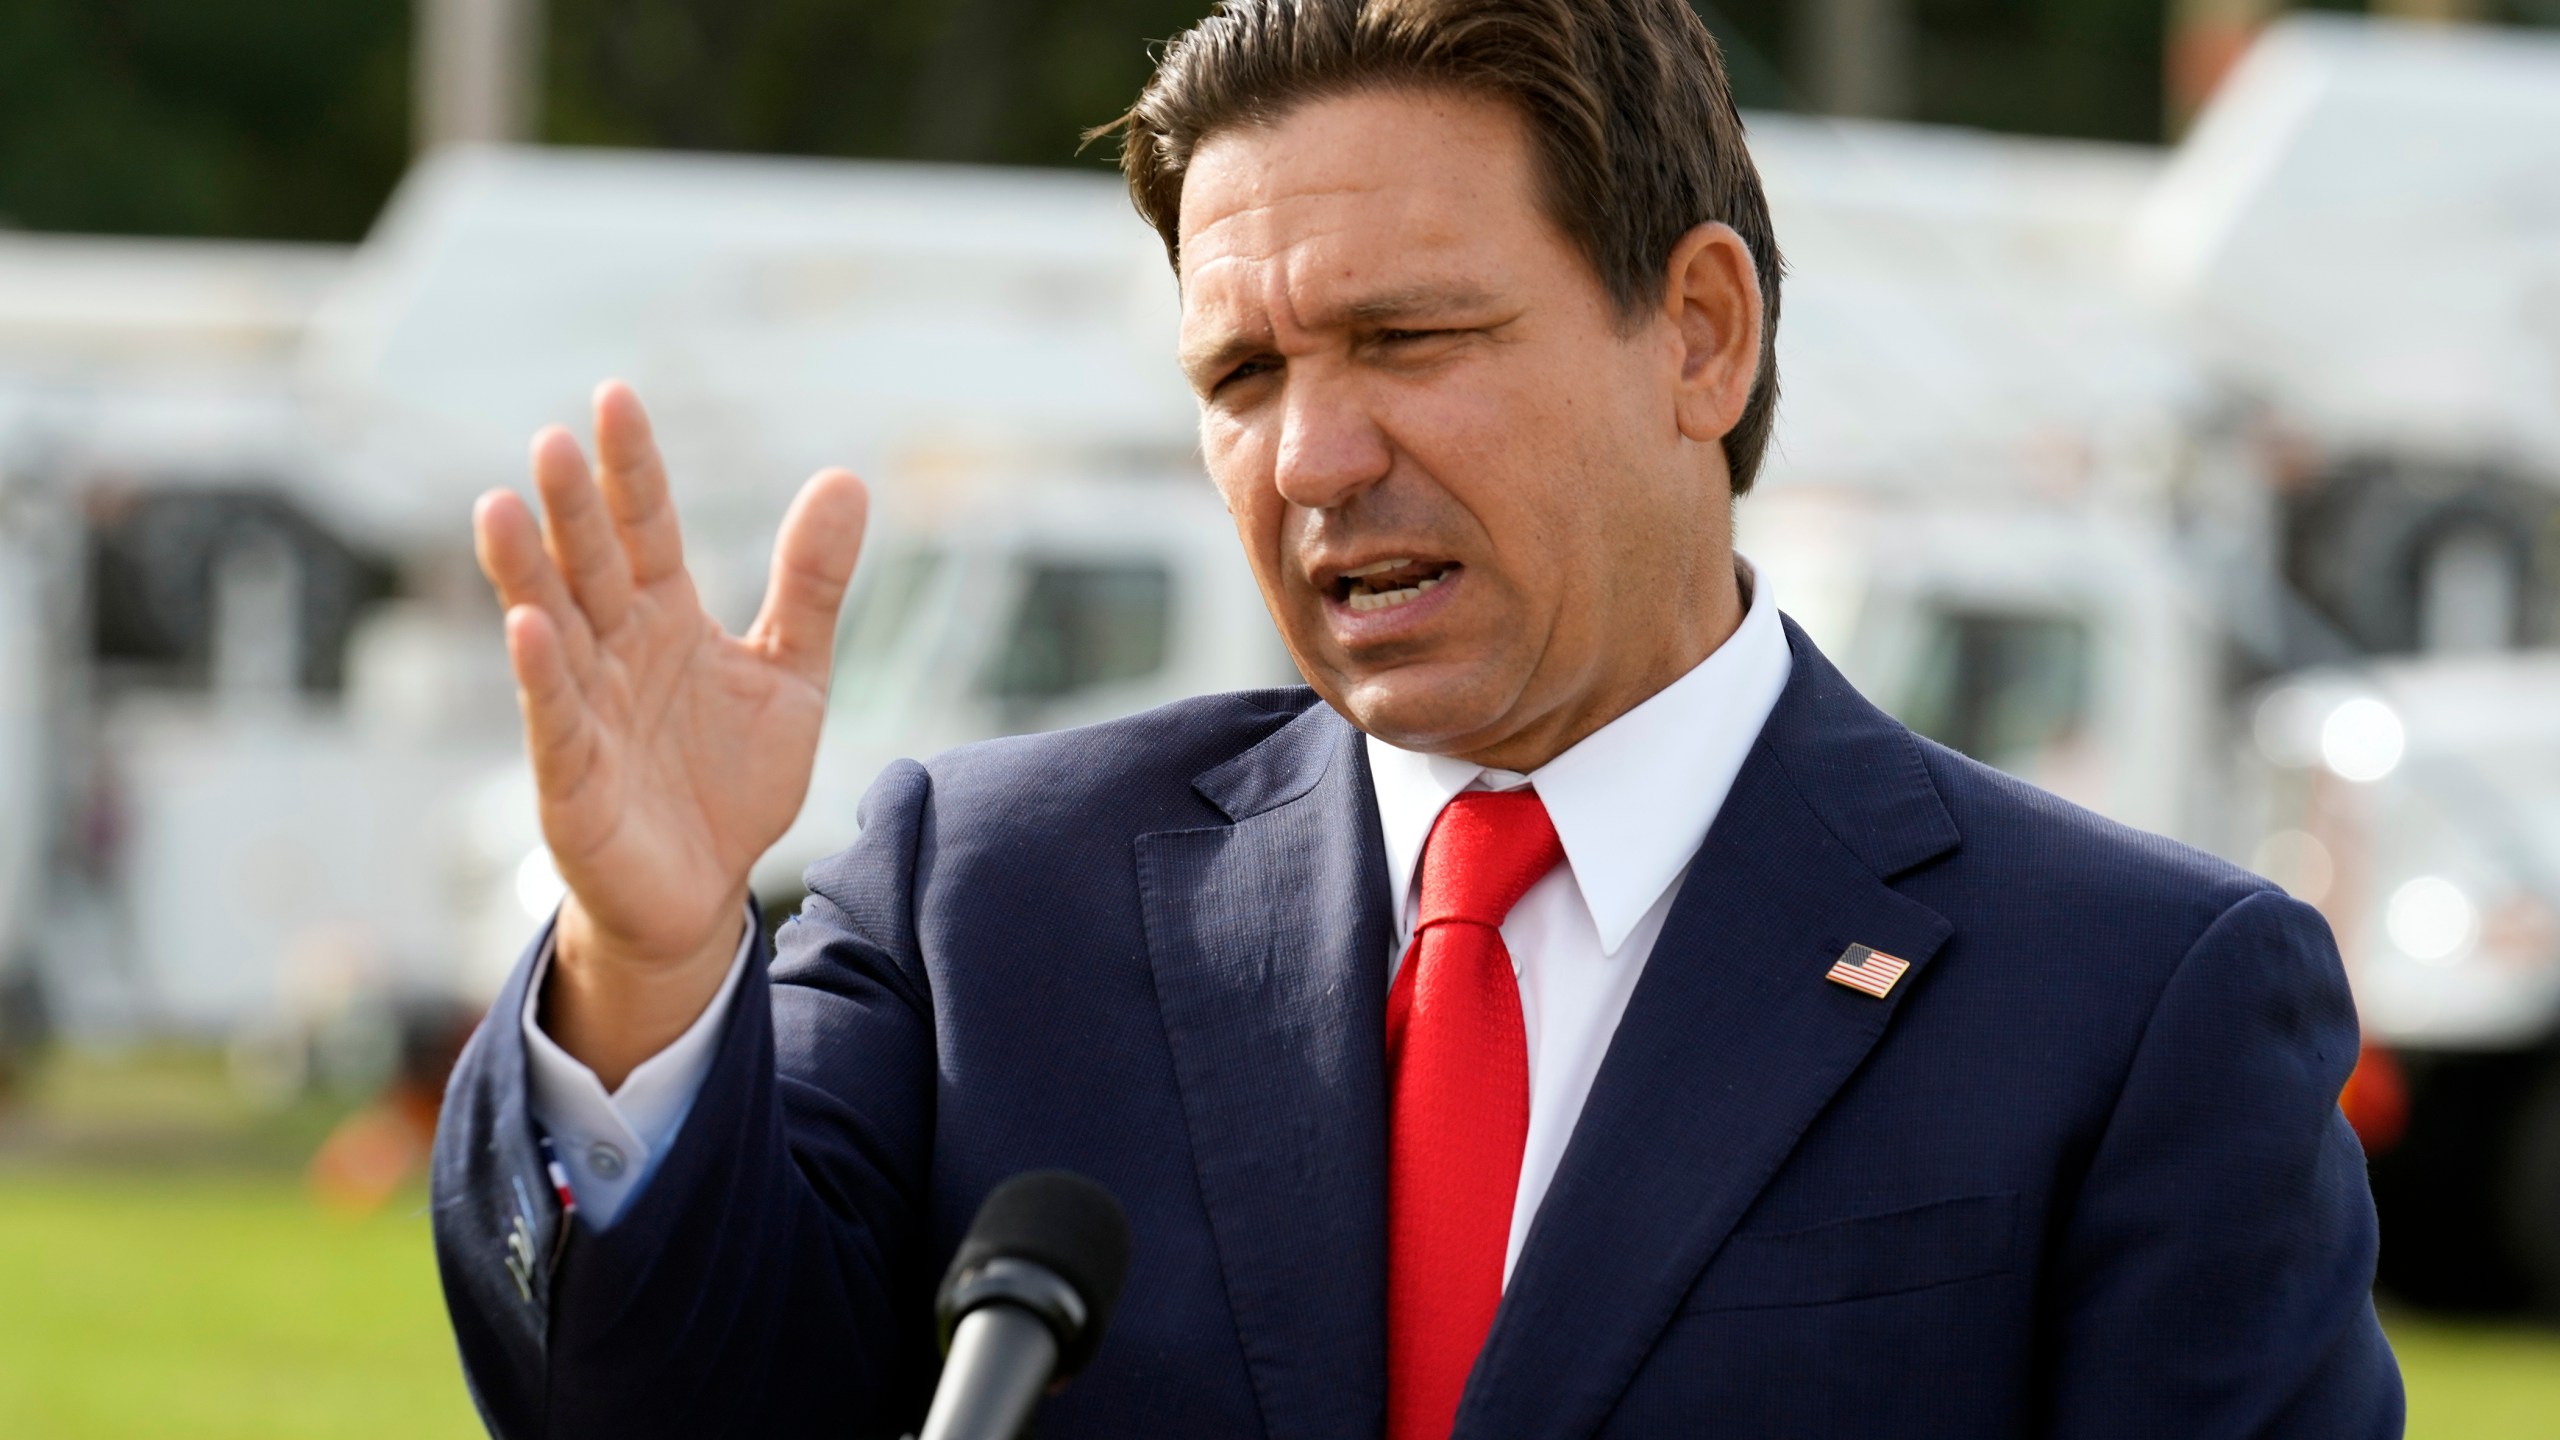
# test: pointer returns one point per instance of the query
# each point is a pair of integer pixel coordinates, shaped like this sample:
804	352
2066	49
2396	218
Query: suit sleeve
768	1281
2215	1276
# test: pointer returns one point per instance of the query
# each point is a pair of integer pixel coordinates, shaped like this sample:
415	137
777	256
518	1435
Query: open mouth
1390	583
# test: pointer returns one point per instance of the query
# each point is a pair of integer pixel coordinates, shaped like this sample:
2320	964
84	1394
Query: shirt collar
1632	801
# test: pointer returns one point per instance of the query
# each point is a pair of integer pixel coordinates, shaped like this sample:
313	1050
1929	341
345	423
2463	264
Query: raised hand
668	754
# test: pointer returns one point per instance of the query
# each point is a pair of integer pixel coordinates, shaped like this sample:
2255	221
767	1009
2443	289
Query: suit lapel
1731	1045
1268	940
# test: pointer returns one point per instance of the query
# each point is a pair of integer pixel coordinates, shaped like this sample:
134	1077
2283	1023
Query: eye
1250	369
1404	346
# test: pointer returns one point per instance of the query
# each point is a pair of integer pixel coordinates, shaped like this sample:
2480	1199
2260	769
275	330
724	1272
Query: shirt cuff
609	1143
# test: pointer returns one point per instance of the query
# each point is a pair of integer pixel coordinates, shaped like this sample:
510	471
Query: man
1579	1014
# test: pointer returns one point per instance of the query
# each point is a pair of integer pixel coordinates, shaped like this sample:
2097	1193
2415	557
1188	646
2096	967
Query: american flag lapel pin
1867	969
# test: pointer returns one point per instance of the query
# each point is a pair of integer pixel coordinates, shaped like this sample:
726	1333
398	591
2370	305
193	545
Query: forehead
1356	193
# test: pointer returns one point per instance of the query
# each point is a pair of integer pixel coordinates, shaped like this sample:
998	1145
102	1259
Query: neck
1621	682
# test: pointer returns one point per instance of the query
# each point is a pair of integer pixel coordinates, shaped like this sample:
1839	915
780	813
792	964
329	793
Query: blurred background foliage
284	119
1005	81
289	119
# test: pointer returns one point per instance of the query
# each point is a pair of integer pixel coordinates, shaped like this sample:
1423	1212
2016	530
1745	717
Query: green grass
223	1305
162	1274
2471	1381
216	1306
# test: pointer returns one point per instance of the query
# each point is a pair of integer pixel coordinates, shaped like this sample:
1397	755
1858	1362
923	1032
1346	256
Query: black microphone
1025	1301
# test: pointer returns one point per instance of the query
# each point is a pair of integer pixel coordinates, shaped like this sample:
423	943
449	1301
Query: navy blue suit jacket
2082	1173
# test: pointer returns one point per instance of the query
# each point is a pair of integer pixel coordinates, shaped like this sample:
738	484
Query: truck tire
2440	1190
2531	1197
24	1025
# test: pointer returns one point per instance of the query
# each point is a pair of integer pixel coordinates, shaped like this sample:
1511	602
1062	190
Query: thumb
812	562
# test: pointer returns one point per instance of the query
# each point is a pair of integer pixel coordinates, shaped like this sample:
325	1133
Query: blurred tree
2055	67
1753	36
289	118
278	118
1011	81
2087	68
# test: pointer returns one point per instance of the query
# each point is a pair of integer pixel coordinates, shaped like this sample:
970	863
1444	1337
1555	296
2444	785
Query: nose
1331	448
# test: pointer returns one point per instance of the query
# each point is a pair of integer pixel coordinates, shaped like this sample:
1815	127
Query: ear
1711	296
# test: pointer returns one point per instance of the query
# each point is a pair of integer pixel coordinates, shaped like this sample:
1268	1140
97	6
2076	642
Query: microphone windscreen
1066	1222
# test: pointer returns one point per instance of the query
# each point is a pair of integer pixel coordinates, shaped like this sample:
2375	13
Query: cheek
1238	458
1512	450
1522	408
1241	471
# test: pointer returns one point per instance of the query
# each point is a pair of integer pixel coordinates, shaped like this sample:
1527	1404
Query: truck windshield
1082	624
2008	687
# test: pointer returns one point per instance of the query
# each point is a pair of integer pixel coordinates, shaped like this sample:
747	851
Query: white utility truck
2362	235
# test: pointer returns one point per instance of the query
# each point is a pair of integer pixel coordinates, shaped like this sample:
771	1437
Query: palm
698	756
668	754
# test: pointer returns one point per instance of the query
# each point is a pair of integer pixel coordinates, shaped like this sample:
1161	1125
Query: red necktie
1458	1081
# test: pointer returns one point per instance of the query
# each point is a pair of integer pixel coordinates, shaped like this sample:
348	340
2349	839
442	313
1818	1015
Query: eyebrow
1411	302
1210	361
1416	302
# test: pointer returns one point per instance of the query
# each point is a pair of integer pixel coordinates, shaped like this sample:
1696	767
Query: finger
635	485
509	545
578	533
812	561
559	733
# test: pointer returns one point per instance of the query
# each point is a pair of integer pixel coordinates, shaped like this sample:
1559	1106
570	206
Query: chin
1418	707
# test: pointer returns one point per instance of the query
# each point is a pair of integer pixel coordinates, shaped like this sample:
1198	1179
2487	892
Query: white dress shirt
1631	803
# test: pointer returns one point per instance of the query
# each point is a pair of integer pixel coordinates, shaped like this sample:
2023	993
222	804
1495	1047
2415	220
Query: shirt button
605	1159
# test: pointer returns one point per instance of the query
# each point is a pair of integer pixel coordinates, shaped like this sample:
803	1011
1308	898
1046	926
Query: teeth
1380	568
1365	601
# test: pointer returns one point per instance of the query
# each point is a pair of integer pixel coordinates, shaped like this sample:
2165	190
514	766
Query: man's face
1462	478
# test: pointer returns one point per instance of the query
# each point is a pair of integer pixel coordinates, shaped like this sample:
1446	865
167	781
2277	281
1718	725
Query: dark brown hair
1626	100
